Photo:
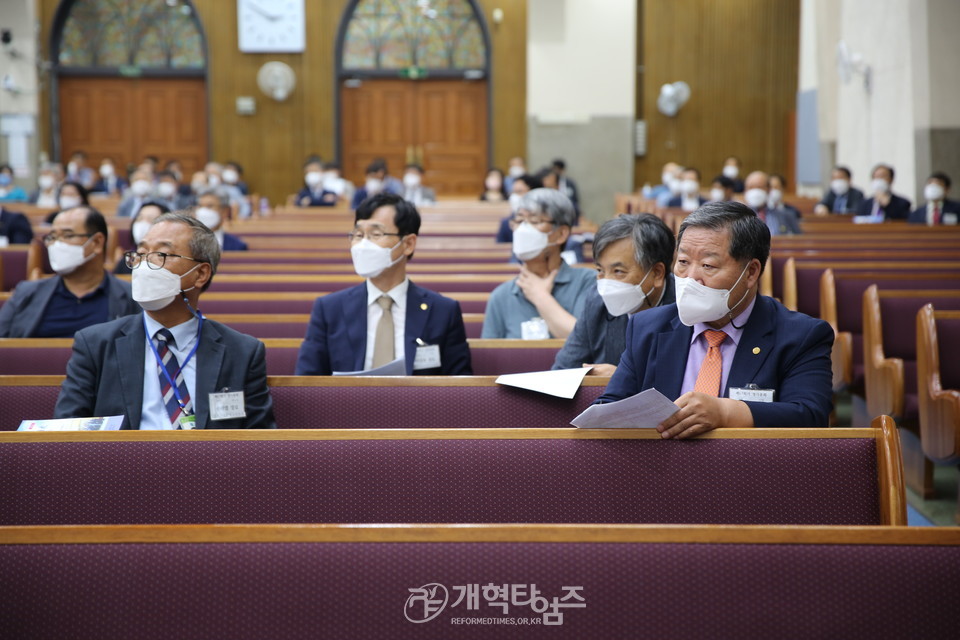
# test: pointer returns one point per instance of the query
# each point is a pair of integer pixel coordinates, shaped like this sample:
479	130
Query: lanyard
166	374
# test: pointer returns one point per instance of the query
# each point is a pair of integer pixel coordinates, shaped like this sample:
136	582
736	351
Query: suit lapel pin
756	350
423	305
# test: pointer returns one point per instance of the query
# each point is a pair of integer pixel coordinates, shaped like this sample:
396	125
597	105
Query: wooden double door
439	124
127	119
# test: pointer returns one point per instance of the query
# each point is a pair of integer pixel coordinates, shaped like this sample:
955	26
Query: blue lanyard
166	374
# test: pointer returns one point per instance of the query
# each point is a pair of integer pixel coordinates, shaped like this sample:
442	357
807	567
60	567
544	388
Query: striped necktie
164	338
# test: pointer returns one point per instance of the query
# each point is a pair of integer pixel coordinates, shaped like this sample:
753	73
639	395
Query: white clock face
271	26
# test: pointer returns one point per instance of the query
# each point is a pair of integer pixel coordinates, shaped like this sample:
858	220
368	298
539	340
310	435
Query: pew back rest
938	383
788	476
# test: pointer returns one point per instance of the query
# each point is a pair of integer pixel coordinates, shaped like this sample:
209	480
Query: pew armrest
885	387
842	359
940	428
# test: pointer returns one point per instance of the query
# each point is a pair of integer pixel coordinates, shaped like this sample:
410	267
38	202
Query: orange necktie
711	370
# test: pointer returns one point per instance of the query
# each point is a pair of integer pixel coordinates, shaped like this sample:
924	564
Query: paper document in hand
562	383
396	368
645	410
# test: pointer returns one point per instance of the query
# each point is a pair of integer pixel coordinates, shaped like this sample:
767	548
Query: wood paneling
741	60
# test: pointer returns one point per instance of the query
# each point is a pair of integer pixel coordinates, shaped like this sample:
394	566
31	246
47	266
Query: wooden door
442	124
127	119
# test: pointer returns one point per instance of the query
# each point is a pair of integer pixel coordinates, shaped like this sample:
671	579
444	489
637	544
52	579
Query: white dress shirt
374	313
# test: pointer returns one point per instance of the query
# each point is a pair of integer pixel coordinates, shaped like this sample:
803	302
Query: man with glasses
548	296
80	295
169	367
387	317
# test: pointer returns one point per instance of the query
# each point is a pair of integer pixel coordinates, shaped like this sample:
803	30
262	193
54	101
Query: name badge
188	422
534	329
427	357
751	395
224	406
949	218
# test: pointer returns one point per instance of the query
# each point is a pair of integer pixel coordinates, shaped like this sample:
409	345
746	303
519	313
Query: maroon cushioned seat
255	304
498	361
26	403
14	259
264	330
34	361
318	285
710	481
948	343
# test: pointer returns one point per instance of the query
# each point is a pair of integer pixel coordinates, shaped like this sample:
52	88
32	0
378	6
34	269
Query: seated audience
786	217
9	192
141	189
779	220
721	189
516	167
565	183
69	195
494	189
168	190
672	189
413	189
376	182
884	205
522	185
939	209
233	175
150	163
335	183
214	173
387	317
80	295
141	223
842	197
109	182
314	192
689	198
548	296
165	368
549	178
51	175
213	207
671	171
731	169
174	167
726	355
79	172
633	255
14	228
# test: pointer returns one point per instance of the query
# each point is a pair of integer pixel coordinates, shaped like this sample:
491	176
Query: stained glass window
140	33
399	34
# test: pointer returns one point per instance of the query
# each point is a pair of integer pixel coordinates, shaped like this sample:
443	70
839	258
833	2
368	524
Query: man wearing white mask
80	295
387	317
633	255
841	197
215	178
758	196
109	182
169	367
522	185
671	171
413	189
731	169
141	190
374	184
516	167
689	198
213	206
939	209
548	296
726	355
884	205
51	175
315	192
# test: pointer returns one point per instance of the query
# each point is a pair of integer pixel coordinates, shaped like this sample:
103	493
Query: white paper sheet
562	383
396	368
108	423
645	410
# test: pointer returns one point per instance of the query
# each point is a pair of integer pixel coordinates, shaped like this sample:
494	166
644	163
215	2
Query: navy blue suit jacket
779	349
337	335
854	198
897	209
15	226
919	215
677	201
233	243
307	198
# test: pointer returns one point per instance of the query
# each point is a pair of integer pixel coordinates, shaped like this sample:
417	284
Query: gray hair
203	243
552	203
219	192
749	235
652	240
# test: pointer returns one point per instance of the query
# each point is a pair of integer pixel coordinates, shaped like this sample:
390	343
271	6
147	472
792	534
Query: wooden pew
728	476
342	580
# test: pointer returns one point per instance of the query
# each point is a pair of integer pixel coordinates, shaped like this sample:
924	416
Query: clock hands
269	16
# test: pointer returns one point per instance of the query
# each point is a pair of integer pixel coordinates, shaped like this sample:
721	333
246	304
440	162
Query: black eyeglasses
373	234
155	259
50	238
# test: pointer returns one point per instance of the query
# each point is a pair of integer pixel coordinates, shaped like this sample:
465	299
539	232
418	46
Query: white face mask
689	188
154	289
72	168
411	180
621	297
879	185
516	172
731	171
699	303
775	198
933	191
373	185
65	258
45	182
675	184
209	217
106	171
665	178
515	199
370	259
213	180
529	242
717	195
69	202
840	186
493	184
139	229
755	198
230	176
313	178
140	188
166	190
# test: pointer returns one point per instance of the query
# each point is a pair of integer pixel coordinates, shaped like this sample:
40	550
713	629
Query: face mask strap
742	298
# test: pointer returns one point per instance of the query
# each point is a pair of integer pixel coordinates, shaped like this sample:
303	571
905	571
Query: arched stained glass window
426	34
151	34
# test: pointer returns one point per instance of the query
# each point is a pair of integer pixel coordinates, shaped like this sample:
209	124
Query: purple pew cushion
25	403
14	266
31	361
497	361
715	481
899	318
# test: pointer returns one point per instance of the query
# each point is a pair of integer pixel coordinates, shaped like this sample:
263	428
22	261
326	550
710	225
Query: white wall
19	16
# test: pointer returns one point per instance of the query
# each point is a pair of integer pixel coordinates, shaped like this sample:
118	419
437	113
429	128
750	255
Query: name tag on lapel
224	406
427	357
751	395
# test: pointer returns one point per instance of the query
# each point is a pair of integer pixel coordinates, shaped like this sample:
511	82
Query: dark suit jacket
919	215
233	243
854	198
105	374
784	220
898	209
598	337
337	335
315	200
15	226
677	201
792	358
22	313
102	186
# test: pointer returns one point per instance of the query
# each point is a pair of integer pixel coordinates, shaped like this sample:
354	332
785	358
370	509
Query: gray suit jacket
105	374
21	314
